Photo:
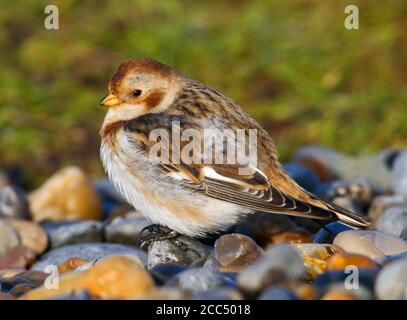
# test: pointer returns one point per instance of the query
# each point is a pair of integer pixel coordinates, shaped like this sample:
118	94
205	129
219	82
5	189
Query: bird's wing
248	187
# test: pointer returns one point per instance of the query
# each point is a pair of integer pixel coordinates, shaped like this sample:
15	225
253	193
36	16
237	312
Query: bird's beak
110	100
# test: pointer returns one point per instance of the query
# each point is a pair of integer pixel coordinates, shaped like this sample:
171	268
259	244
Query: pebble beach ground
74	238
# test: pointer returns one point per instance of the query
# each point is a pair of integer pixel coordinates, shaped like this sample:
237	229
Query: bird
200	197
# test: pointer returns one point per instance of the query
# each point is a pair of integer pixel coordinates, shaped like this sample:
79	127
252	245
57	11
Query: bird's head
140	86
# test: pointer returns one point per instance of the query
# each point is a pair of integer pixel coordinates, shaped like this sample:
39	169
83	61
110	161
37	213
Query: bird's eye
137	93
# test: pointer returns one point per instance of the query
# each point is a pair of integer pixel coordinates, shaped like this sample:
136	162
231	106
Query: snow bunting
153	107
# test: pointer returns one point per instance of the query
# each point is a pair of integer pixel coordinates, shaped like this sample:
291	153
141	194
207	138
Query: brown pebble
292	236
235	251
36	277
71	264
18	257
32	235
340	261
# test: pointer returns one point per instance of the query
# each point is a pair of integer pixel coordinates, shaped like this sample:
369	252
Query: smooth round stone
220	294
71	264
278	264
31	234
391	282
64	233
164	271
13	203
126	229
8	237
328	233
168	252
305	177
199	279
116	277
394	221
17	257
341	261
373	244
67	195
298	235
235	251
383	203
86	251
277	293
400	174
365	276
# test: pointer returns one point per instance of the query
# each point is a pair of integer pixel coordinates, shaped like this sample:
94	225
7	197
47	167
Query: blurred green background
290	64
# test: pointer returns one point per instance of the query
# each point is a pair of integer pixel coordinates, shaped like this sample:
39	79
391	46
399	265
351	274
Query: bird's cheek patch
153	99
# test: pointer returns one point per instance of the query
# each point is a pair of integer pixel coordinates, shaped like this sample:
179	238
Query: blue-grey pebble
394	221
62	233
391	282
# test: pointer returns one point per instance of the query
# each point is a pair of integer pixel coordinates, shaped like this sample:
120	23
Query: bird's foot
158	232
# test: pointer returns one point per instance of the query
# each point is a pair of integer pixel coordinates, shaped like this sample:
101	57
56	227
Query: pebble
168	252
126	229
35	277
391	283
196	280
10	272
71	264
373	244
107	191
400	174
21	289
86	251
305	177
348	204
164	271
278	264
235	251
62	233
31	234
315	256
13	203
297	235
8	237
116	277
79	200
17	257
328	233
382	203
340	261
277	293
393	221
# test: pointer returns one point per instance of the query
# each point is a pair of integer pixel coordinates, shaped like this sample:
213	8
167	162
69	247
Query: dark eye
137	93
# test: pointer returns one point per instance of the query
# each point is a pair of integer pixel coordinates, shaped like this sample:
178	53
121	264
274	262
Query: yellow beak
110	100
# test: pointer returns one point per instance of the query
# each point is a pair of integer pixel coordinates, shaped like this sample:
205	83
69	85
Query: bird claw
160	233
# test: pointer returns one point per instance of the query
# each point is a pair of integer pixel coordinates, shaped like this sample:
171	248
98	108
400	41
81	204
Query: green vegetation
291	64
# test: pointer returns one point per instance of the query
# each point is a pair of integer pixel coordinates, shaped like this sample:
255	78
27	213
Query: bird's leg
160	233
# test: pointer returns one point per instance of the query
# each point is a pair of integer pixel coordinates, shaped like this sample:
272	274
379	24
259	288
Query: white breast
147	189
